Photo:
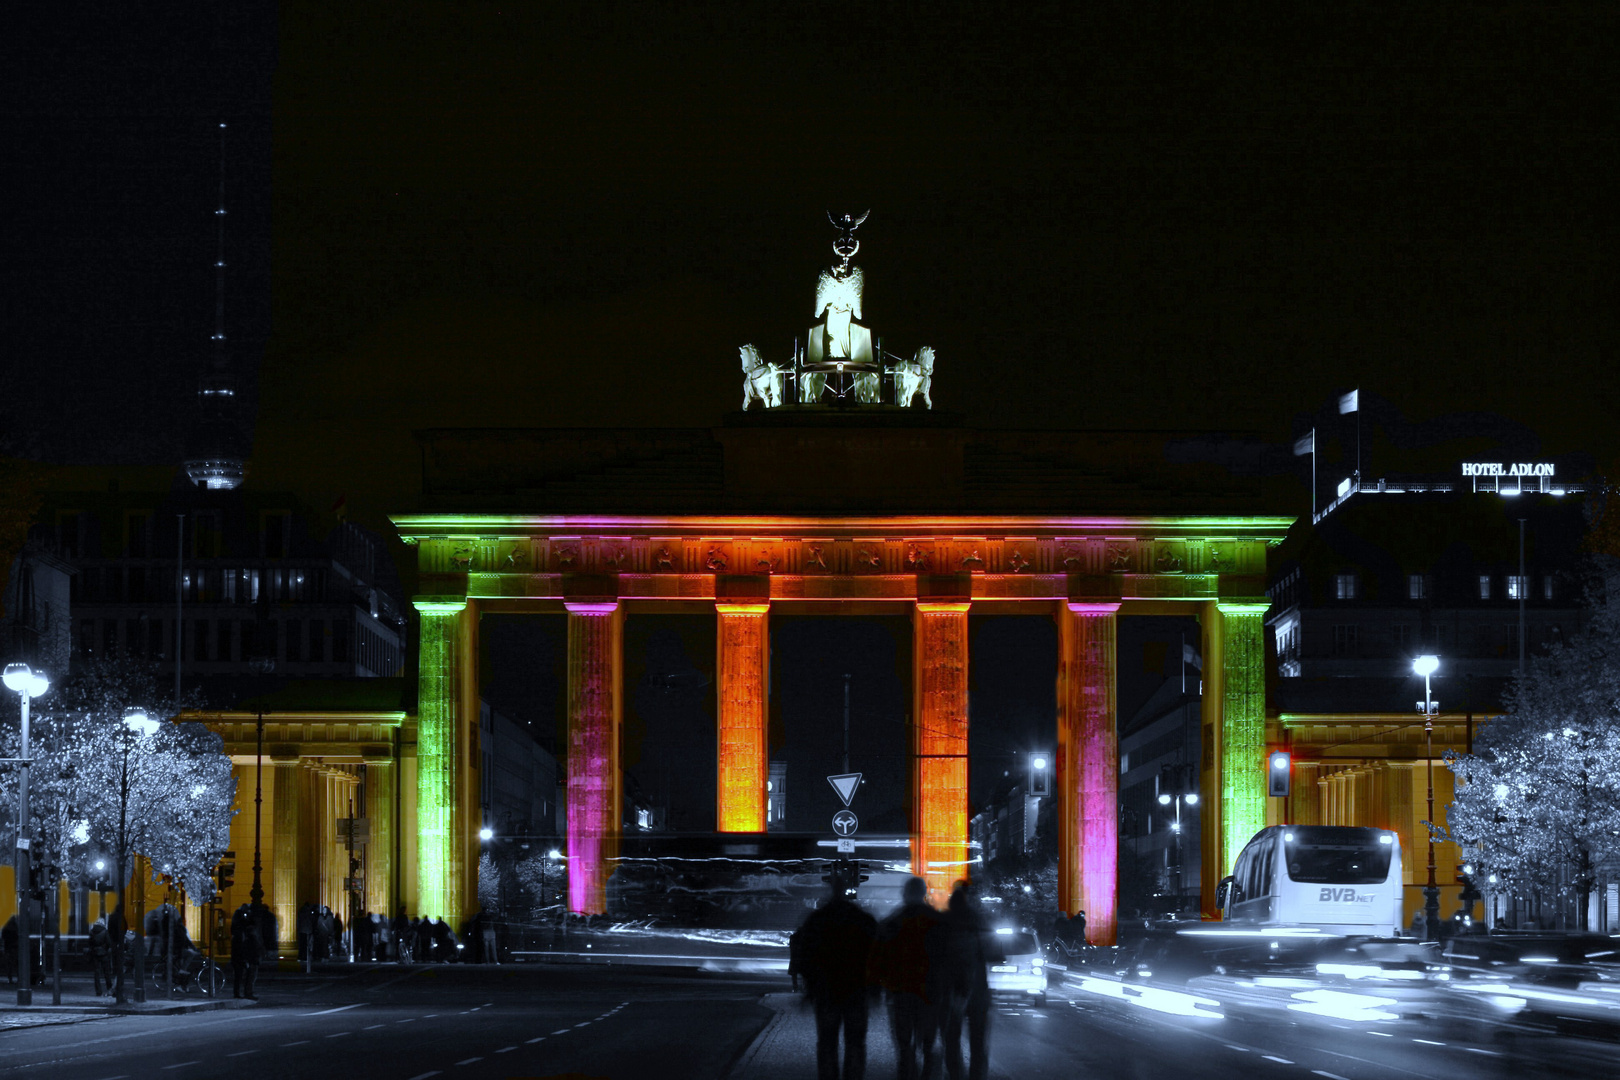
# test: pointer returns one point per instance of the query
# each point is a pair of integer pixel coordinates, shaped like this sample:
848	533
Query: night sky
534	214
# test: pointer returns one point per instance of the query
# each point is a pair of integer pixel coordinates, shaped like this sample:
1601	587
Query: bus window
1328	855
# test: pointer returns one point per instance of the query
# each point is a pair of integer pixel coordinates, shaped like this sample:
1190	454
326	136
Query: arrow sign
845	823
845	784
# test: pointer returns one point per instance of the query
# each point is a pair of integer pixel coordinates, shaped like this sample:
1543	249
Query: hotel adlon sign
1499	468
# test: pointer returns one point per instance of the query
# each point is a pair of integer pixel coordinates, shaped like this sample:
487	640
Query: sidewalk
79	1002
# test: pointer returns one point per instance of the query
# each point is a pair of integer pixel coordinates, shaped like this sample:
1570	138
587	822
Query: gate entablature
496	557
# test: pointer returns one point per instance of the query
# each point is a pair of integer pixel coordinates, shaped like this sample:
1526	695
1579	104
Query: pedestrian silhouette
101	955
831	953
247	949
962	986
900	965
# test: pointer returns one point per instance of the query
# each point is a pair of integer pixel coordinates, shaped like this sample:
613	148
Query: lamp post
28	684
1425	666
136	725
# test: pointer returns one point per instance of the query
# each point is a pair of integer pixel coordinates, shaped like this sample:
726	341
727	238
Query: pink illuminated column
594	711
1088	768
742	645
939	840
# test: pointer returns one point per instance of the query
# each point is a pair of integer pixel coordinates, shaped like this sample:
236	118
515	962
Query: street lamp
136	725
1426	666
28	684
486	834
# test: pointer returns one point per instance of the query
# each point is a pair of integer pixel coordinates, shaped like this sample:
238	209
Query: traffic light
1277	773
227	871
845	877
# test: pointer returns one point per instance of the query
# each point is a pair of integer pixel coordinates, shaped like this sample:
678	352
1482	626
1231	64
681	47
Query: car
1017	964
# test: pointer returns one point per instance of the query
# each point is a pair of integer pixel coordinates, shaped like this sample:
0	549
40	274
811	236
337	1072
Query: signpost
845	823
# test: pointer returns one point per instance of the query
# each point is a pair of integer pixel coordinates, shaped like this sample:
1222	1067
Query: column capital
742	607
591	607
1256	606
937	607
439	604
1094	607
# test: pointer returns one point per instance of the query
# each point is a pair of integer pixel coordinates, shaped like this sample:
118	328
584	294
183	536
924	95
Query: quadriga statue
762	380
912	377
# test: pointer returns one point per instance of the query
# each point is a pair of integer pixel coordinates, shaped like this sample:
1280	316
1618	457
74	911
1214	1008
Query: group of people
929	965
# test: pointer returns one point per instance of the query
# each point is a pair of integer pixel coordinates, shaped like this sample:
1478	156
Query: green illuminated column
437	722
1242	729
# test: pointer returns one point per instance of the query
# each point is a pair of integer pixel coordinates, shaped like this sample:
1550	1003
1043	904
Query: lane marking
181	1065
340	1008
424	1076
1239	1049
1477	1050
537	1038
586	1024
562	1031
1381	1034
506	1050
242	1053
338	1034
1428	1042
469	1061
1330	1076
373	1027
300	1042
1278	1060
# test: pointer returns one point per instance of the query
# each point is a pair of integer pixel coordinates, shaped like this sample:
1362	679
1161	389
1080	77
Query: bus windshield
1329	855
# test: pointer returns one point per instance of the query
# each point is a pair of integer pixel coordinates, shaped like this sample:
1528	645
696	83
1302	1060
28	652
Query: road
390	1023
543	1020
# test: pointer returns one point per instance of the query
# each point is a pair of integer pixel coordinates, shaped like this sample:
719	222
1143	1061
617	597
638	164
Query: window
199	639
1344	586
1510	638
1346	640
340	641
317	639
1402	635
223	644
205	534
109	637
1516	586
1546	588
1484	586
1417	587
295	638
275	535
137	534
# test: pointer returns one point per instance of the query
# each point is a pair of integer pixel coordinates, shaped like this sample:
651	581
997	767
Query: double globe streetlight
30	684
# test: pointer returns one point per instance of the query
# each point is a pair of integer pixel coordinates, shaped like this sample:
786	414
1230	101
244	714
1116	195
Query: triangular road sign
845	784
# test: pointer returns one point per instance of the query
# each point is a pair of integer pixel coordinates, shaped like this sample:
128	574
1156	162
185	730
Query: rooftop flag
1350	402
1306	444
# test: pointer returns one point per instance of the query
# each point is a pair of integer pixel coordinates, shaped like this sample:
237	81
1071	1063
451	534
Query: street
545	1020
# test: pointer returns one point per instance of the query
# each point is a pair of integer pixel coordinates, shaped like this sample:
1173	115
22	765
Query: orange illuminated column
939	841
595	650
1088	769
743	661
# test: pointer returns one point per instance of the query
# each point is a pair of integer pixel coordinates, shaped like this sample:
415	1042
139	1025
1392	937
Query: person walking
422	946
402	937
962	988
831	952
101	955
900	964
247	948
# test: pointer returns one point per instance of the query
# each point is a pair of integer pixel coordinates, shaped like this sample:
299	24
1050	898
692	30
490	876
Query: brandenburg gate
843	494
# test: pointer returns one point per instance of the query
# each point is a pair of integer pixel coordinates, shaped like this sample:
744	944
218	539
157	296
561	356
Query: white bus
1336	878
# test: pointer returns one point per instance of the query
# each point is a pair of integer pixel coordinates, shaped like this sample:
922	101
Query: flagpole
1313	474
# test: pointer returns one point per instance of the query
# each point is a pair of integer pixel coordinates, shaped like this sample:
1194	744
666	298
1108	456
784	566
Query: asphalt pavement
546	1020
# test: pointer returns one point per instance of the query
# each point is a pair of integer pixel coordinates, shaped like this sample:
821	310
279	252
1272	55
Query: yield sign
845	784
